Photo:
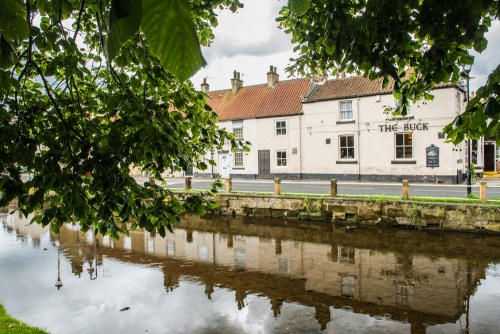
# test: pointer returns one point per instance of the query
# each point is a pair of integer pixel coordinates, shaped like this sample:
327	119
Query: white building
337	129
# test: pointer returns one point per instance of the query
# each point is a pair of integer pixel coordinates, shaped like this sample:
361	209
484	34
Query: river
220	274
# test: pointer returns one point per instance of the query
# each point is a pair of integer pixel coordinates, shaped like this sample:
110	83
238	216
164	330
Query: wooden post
333	187
482	191
405	189
151	180
188	182
277	186
229	185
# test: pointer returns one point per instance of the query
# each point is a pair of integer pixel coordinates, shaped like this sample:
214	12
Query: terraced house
336	129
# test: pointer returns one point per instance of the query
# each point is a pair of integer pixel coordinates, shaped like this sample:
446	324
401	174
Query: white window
348	286
346	113
346	147
281	158
458	99
404	145
280	128
399	103
238	159
238	129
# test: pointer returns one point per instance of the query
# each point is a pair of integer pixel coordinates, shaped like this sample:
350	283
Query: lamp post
467	70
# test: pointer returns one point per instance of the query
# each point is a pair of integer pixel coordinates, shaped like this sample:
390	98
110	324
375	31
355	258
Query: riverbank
14	326
353	211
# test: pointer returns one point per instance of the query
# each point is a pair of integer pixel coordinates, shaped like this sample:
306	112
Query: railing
407	189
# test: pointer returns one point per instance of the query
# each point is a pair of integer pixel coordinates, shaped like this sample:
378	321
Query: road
344	188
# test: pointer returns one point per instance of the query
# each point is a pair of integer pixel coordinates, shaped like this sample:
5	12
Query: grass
14	326
472	200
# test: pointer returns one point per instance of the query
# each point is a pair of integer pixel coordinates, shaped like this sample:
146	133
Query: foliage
13	326
75	122
473	171
414	45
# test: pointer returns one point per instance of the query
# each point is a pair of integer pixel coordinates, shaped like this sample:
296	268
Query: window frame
398	103
404	146
349	112
278	159
237	125
347	147
281	129
238	154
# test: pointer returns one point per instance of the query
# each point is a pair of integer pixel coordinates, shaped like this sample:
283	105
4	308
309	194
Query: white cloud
249	41
487	61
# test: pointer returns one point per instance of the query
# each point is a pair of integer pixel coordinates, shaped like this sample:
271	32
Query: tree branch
79	20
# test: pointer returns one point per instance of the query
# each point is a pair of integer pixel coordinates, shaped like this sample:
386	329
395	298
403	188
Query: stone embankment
442	216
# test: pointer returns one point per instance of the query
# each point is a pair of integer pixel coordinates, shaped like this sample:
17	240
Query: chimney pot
272	77
204	86
236	82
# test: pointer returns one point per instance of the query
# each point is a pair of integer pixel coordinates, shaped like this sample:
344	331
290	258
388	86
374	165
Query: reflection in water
387	279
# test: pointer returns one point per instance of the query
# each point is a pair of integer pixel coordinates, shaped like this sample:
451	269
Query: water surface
238	275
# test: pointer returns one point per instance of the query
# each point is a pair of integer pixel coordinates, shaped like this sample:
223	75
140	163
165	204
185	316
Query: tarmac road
322	187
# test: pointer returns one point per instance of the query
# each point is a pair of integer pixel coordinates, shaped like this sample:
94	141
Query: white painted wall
374	145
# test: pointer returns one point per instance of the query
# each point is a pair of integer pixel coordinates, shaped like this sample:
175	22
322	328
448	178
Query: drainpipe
212	158
358	146
300	143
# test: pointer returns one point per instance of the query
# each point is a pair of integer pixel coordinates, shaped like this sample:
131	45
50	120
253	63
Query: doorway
224	165
264	164
489	157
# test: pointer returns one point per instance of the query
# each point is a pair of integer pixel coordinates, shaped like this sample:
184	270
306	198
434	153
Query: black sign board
432	154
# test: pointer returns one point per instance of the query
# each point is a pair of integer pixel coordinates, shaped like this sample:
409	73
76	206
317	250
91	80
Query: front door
489	157
264	164
224	165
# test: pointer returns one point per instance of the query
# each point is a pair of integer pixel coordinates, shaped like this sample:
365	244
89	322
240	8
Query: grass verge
14	326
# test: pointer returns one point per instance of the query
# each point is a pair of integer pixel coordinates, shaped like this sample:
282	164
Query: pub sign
432	155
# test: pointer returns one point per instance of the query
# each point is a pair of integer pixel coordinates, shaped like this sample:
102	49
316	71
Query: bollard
151	180
405	189
277	186
229	185
333	187
188	182
482	191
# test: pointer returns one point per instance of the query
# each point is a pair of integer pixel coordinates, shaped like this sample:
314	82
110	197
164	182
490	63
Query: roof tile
259	101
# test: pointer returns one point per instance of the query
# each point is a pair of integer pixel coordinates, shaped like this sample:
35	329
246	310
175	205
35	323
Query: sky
249	42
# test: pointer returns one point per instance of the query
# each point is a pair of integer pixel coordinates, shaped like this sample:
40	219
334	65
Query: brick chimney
236	82
272	77
204	86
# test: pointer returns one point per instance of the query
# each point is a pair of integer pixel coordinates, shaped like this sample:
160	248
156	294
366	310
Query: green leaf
171	34
125	19
478	119
492	108
480	44
299	7
13	24
8	56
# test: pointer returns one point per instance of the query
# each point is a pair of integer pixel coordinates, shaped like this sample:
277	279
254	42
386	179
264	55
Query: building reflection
421	278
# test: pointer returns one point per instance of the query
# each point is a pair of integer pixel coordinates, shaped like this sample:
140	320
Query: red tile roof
258	101
353	87
348	87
